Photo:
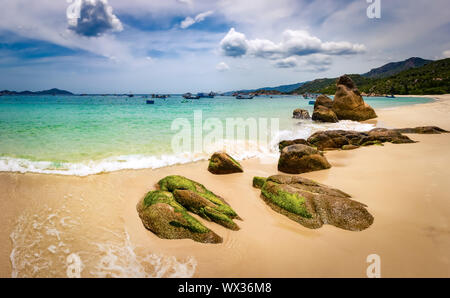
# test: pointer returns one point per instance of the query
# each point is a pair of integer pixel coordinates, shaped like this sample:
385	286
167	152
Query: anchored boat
190	96
244	96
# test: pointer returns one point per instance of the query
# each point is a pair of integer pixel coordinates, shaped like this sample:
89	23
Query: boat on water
159	96
190	96
312	102
206	95
244	96
150	102
390	96
310	95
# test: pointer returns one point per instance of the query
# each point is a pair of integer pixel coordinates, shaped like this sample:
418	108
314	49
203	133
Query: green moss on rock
258	182
290	202
313	204
198	199
164	216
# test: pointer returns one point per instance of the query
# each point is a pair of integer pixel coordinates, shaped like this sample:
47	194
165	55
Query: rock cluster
347	104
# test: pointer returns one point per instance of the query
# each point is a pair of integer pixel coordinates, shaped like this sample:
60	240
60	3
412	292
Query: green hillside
432	78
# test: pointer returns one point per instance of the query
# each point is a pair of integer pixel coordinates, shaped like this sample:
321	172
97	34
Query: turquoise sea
82	135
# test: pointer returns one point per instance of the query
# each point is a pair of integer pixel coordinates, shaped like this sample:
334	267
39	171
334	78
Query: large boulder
322	110
324	114
341	139
164	216
301	114
348	103
297	159
221	163
312	204
198	199
323	100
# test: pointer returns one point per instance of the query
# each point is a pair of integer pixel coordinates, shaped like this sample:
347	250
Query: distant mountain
431	78
393	68
282	88
53	91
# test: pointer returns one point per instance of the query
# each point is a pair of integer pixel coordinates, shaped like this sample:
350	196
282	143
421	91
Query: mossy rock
313	204
258	182
164	216
221	163
198	199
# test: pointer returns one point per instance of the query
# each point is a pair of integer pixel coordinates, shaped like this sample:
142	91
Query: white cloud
314	63
446	54
289	62
222	66
188	21
294	43
234	44
92	18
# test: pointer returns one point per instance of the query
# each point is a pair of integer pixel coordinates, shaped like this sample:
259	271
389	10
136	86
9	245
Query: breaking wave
239	149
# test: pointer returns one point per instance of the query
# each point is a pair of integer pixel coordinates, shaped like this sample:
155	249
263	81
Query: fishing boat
159	96
150	102
206	95
190	96
244	96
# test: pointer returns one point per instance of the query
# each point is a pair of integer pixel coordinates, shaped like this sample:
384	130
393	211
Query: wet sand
405	187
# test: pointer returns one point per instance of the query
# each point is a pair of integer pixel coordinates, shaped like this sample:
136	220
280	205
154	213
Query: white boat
244	96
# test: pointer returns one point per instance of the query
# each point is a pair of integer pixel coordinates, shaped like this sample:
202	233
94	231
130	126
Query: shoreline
133	162
403	185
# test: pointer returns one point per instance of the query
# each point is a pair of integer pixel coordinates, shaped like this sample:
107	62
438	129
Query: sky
177	46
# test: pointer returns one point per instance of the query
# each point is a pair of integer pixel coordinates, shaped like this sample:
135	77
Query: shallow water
75	237
82	135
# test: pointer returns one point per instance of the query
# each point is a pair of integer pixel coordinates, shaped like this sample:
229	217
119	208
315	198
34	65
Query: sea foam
238	149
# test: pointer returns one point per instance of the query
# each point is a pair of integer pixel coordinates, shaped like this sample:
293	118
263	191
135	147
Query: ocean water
83	135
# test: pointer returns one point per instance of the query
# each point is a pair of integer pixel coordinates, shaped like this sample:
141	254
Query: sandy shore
406	188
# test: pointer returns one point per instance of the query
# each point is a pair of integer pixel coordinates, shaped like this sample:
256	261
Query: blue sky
161	46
